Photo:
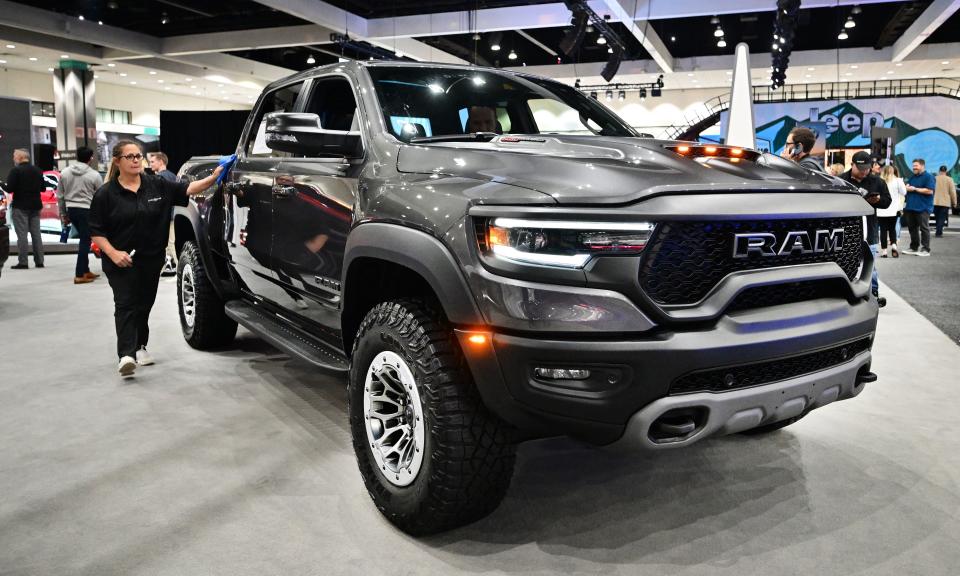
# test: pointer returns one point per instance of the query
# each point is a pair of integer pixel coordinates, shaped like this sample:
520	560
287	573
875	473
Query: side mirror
302	134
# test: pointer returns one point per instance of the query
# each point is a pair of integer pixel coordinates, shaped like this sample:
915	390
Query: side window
332	100
280	100
555	116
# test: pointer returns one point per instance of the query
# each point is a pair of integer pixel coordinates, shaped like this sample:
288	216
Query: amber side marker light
701	151
478	339
710	149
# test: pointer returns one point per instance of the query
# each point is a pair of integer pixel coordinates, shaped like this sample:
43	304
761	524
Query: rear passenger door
312	218
251	188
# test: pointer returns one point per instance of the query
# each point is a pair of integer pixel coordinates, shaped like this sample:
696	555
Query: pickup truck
489	257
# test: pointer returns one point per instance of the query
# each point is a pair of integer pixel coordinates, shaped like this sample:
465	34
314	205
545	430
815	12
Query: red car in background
50	210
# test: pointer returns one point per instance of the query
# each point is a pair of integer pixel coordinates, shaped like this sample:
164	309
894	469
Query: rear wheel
203	321
431	455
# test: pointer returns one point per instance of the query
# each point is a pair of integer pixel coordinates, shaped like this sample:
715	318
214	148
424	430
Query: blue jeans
80	219
941	214
875	279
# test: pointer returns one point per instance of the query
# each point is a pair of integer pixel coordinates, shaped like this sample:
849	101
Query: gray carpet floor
239	462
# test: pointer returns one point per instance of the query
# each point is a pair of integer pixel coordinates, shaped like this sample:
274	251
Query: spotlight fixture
610	50
721	43
495	39
512	55
643	94
476	37
718	33
622	95
842	35
577	84
593	95
311	60
586	19
164	18
601	40
609	95
849	23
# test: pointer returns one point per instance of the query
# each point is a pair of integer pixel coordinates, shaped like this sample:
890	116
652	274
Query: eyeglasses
133	157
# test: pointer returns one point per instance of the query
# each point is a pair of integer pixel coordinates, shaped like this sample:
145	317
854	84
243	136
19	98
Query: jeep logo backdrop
927	127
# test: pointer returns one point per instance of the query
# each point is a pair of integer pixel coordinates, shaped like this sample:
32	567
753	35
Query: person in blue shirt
916	212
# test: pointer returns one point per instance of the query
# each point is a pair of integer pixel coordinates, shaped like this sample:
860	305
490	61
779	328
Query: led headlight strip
563	243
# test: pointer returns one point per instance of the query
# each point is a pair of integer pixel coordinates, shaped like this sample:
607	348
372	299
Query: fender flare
420	252
191	213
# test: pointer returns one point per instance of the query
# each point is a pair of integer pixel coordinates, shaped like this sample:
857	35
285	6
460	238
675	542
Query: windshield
421	103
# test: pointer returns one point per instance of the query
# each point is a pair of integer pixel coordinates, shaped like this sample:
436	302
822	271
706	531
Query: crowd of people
896	202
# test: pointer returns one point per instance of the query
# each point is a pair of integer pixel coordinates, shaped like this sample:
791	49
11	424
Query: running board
288	339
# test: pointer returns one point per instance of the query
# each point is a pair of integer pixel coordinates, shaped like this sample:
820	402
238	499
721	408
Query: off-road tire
469	452
211	328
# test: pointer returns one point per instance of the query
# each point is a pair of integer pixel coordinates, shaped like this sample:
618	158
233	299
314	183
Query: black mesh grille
685	260
735	377
762	296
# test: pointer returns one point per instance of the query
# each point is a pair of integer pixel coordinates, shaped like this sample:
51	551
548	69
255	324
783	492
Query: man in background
916	212
158	163
944	198
78	182
800	142
25	182
876	193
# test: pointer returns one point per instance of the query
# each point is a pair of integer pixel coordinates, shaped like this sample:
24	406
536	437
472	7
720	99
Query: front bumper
631	379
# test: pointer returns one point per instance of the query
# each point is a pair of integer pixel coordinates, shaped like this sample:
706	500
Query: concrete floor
240	462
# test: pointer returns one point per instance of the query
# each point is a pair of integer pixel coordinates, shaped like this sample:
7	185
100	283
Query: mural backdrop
927	127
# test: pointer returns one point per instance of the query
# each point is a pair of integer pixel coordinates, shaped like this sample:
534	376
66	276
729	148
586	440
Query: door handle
280	191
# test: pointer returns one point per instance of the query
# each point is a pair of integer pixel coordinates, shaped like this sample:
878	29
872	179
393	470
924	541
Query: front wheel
431	455
203	321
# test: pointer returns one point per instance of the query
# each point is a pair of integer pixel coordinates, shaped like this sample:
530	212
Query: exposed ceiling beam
557	14
52	24
319	12
924	26
536	42
77	50
246	40
643	32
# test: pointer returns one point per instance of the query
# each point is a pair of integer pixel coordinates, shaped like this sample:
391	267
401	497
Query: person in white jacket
887	217
78	182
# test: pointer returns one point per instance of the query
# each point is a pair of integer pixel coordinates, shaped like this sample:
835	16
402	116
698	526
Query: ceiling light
65	56
49	69
853	66
673	38
774	46
11	46
729	72
159	81
889	71
899	64
123	74
622	95
883	77
33	59
100	22
721	43
311	60
189	79
810	69
945	62
609	95
856	10
80	16
689	73
714	20
842	35
593	95
476	36
133	82
601	40
849	23
167	88
153	72
512	55
3	61
96	76
718	32
849	74
495	41
163	18
610	50
808	76
111	65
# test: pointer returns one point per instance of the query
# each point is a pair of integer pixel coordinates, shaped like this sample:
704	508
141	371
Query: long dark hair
117	151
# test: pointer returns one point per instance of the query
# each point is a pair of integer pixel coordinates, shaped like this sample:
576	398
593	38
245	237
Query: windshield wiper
469	137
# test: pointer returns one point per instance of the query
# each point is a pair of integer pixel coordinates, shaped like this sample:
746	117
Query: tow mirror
302	134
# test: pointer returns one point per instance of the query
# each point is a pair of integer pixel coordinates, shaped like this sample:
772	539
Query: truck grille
685	260
744	376
776	294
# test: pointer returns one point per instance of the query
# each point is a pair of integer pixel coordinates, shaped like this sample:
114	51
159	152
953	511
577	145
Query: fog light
562	373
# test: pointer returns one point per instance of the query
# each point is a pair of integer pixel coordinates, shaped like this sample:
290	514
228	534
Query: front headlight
565	244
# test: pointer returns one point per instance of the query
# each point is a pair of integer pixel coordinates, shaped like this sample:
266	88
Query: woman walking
887	217
130	222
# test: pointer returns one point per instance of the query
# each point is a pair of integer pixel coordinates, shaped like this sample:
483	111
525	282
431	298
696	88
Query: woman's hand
121	259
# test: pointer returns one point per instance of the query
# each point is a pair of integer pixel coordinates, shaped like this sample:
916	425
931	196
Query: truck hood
606	170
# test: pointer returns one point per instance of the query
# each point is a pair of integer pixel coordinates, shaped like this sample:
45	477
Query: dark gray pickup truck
490	257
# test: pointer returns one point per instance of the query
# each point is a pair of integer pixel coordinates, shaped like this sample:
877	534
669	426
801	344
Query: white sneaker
909	251
127	366
144	358
923	253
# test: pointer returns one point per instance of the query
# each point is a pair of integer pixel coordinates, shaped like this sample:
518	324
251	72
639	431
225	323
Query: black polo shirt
26	184
136	221
875	186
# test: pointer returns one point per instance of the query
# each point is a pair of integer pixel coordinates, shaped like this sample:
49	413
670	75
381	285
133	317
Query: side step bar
288	339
